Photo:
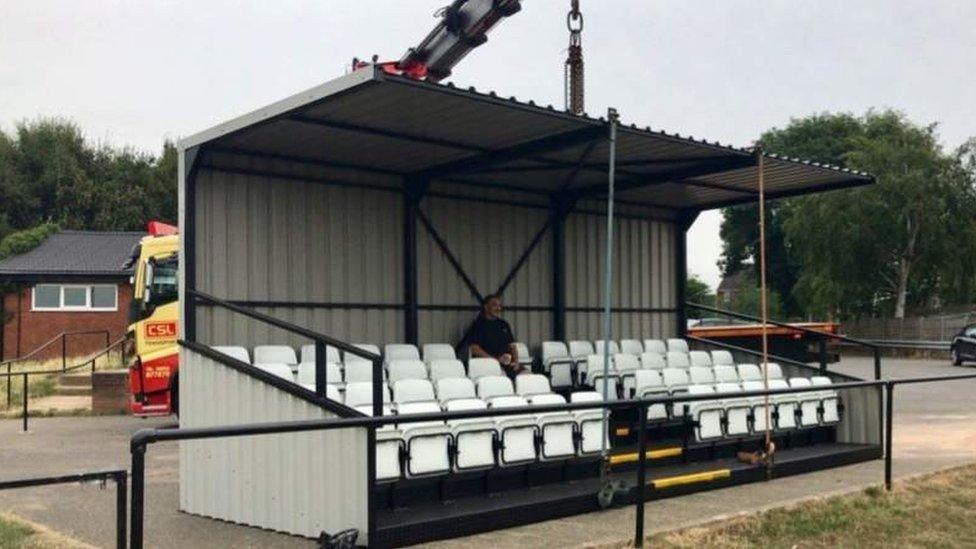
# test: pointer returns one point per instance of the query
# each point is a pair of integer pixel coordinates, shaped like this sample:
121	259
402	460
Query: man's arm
477	351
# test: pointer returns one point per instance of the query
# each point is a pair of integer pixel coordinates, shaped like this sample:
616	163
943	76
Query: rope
573	68
764	313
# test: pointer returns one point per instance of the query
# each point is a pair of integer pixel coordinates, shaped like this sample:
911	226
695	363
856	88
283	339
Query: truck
151	337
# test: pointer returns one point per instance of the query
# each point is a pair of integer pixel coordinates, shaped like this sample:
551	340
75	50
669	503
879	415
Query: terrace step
75	380
75	390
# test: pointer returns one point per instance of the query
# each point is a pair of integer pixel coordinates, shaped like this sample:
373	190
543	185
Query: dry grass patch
937	510
17	533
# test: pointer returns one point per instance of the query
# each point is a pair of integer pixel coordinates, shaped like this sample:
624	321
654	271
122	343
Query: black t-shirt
492	335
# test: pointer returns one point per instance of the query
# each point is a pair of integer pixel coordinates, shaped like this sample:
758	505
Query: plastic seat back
400	351
407	369
655	346
361	394
700	358
412	390
631	347
652	361
445	368
454	388
725	374
678	345
490	387
279	369
235	352
701	375
532	384
722	358
676	359
438	351
331	354
306	373
580	349
749	372
274	354
481	367
600	344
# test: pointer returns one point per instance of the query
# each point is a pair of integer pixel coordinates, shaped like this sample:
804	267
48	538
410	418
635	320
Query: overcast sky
137	72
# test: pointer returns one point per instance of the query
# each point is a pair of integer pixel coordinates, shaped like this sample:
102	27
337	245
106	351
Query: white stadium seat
677	382
676	359
701	375
413	390
237	353
279	369
652	361
599	344
438	351
830	407
725	374
655	346
678	345
406	369
775	371
809	402
590	422
516	434
650	384
481	367
524	356
700	358
580	350
474	438
357	371
737	410
786	406
557	362
274	354
348	357
490	387
626	365
758	406
749	372
361	394
706	413
427	443
631	347
556	429
445	368
595	376
331	354
722	358
454	388
389	441
400	351
306	373
529	385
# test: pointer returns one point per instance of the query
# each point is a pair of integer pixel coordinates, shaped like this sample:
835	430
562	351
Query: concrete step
75	380
74	390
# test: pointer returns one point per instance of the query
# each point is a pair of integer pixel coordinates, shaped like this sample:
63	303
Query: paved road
935	427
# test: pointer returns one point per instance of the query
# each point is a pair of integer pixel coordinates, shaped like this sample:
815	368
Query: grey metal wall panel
271	239
487	240
644	276
529	327
301	483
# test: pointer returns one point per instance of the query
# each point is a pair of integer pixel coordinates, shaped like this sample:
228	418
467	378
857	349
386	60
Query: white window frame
88	298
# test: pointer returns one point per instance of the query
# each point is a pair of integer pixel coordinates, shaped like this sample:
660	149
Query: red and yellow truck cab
152	333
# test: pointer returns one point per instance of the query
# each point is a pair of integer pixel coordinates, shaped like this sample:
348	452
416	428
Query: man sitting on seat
491	336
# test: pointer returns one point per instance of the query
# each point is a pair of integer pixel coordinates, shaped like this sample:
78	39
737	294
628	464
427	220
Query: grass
937	510
17	533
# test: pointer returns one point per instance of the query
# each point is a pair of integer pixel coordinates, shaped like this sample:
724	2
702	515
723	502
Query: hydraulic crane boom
464	26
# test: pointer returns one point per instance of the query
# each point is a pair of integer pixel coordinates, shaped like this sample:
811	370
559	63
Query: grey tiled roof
75	253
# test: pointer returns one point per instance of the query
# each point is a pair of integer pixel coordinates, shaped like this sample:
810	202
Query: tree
748	302
698	291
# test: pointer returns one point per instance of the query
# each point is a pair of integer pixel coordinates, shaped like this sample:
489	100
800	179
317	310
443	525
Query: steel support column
413	194
190	160
681	267
558	269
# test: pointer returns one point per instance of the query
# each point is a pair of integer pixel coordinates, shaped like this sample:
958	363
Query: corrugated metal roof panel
392	125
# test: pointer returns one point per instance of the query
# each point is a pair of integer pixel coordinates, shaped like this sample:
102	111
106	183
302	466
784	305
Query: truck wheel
174	398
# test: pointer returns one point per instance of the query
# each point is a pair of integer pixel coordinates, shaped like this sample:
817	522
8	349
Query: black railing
321	341
143	438
88	362
821	336
118	476
63	339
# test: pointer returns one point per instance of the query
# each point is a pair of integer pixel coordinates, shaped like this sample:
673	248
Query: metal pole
320	369
121	491
64	352
9	383
377	388
877	363
612	118
641	475
25	400
823	355
138	495
889	425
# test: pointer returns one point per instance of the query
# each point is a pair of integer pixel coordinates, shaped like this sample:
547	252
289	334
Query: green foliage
906	242
26	240
697	291
748	302
50	174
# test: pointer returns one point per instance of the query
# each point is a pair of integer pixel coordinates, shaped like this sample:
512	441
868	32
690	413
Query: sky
134	73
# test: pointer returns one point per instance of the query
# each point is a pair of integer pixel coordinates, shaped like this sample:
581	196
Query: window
75	297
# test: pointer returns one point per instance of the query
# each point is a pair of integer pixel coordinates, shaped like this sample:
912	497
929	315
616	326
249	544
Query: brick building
73	281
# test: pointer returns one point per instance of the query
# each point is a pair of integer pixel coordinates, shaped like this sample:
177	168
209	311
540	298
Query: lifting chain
573	69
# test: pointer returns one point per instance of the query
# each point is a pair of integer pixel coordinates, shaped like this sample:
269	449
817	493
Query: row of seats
729	416
438	447
571	364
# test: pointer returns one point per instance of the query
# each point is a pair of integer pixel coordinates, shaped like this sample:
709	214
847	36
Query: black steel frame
145	437
118	476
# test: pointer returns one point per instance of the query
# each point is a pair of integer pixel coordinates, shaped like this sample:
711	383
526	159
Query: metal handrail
141	440
47	343
119	476
804	329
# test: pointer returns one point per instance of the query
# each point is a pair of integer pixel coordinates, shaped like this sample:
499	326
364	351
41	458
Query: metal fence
146	437
118	476
916	329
